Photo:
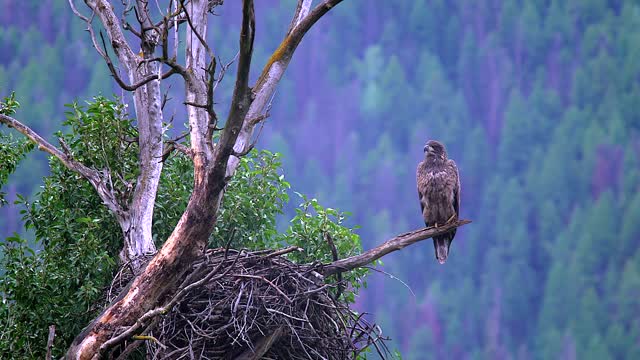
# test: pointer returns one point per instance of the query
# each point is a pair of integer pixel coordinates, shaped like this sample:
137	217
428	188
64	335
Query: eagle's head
434	150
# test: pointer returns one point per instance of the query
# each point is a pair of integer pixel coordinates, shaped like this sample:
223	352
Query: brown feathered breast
438	190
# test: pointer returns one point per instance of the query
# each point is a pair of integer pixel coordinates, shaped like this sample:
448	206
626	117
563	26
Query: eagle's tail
442	244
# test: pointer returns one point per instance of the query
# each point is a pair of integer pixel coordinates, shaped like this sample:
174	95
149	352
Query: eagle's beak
428	149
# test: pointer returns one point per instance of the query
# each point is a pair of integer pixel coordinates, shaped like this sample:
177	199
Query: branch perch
397	243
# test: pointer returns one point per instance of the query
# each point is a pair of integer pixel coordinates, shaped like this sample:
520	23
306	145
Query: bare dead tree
142	74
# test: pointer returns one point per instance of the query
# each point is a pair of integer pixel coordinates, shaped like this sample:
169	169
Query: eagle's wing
420	179
456	187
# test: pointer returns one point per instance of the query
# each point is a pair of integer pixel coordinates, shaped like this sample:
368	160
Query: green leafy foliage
313	228
254	197
62	281
11	150
176	183
9	105
101	136
60	278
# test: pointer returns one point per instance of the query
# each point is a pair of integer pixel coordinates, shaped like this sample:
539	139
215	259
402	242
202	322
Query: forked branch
118	79
302	10
274	69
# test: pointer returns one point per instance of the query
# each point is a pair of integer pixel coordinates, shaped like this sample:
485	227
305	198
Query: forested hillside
537	101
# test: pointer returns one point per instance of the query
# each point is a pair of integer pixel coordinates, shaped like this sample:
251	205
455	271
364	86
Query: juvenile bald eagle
439	193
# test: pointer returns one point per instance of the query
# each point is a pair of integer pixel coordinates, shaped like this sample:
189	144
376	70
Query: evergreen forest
538	102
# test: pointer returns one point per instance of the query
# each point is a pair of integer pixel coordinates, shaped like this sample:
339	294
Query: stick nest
258	305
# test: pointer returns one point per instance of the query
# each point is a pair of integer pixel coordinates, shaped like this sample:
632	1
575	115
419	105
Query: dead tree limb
144	77
394	244
92	175
241	94
274	70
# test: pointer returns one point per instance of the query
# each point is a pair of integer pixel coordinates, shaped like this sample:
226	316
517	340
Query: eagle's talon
451	219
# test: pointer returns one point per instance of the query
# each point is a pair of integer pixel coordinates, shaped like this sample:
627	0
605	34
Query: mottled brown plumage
439	193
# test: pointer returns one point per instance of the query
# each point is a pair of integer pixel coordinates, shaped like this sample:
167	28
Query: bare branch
259	118
334	256
142	82
273	72
93	176
128	27
77	13
255	141
195	31
89	29
223	71
175	24
212	86
183	149
173	145
143	15
241	93
195	84
397	243
103	52
104	10
288	46
280	252
172	20
171	62
302	10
